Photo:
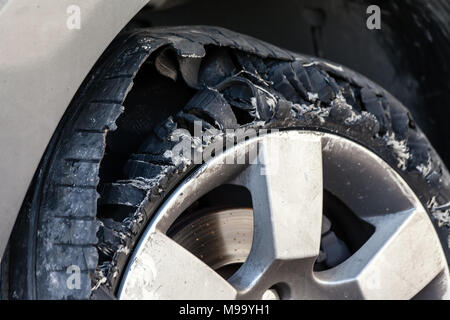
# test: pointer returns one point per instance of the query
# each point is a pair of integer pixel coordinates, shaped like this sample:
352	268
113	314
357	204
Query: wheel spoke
165	270
397	262
287	191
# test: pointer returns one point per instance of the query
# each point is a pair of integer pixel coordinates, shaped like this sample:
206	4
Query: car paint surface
42	64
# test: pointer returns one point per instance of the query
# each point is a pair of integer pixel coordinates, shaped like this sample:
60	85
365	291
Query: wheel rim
287	174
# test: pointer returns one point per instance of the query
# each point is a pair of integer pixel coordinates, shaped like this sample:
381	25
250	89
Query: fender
44	58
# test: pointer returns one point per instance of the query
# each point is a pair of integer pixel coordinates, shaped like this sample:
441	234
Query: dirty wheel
200	163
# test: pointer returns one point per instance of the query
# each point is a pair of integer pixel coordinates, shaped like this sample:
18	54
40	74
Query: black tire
215	73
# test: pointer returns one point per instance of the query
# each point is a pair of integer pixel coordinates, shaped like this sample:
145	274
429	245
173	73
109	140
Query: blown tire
107	170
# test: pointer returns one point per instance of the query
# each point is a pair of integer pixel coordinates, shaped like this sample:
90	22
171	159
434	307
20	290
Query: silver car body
42	64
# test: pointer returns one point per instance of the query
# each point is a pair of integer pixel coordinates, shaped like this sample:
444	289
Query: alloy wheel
282	235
